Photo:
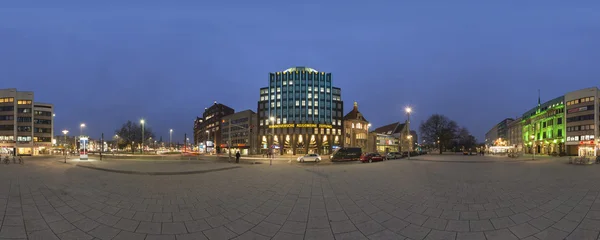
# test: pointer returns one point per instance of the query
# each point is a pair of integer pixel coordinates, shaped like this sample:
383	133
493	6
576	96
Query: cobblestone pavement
547	199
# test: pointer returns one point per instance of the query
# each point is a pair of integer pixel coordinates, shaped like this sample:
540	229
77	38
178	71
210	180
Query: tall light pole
408	111
142	122
367	148
116	142
65	144
81	126
170	137
533	146
272	121
207	139
409	139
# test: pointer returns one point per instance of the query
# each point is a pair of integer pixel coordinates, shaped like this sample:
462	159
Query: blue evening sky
477	62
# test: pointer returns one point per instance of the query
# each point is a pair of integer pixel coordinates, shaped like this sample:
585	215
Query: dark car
346	154
371	157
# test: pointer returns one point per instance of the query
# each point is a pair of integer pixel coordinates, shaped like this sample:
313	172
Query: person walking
237	157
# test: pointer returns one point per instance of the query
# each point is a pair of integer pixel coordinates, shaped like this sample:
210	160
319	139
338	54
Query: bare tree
439	128
131	134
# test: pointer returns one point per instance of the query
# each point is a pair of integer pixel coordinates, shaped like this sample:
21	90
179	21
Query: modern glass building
300	112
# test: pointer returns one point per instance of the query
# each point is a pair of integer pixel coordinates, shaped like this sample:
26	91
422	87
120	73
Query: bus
346	154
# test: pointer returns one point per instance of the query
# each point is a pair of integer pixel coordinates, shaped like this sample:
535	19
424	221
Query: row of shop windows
581	100
580	128
323	131
580	138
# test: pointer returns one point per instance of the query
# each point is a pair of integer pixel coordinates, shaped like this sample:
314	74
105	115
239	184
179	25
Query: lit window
339	122
303	103
327	90
272	104
328	131
278	89
284	83
316	103
278	96
278	120
284	120
316	111
261	122
310	111
278	104
316	96
309	95
291	83
309	103
322	89
272	90
309	88
297	103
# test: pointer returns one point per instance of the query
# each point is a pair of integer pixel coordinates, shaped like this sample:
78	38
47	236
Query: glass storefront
25	151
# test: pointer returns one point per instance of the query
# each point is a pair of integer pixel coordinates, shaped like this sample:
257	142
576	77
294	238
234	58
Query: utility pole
101	145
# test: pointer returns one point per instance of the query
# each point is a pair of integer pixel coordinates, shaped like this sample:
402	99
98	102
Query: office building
300	112
356	129
243	133
497	136
581	122
26	126
207	129
515	134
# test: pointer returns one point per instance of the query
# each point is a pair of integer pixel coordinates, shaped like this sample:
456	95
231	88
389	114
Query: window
316	96
7	100
23	138
310	103
23	119
559	133
24	102
7	117
278	89
303	103
322	89
297	103
327	90
309	88
7	127
278	104
316	103
309	95
24	110
272	104
559	121
7	109
7	138
316	111
310	111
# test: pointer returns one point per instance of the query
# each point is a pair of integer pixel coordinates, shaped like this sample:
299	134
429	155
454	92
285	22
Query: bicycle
6	160
14	160
21	160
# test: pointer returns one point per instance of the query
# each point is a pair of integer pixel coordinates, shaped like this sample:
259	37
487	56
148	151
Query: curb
158	173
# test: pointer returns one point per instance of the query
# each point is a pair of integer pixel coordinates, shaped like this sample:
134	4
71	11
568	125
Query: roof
544	106
390	128
355	114
294	69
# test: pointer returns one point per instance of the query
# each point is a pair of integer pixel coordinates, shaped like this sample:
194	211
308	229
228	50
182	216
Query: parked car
309	158
346	154
371	157
394	155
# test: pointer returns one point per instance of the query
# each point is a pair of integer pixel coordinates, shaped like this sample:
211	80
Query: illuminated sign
306	125
282	126
574	110
586	143
301	125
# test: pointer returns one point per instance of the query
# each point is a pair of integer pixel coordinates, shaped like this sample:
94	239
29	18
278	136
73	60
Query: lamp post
533	146
116	142
142	122
408	111
272	119
368	126
409	139
81	126
65	144
170	137
207	139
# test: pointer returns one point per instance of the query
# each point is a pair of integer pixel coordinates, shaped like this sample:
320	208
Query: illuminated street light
142	122
408	111
170	137
81	126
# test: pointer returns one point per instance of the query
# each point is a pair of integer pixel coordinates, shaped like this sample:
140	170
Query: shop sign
291	125
574	110
300	125
306	125
325	126
586	143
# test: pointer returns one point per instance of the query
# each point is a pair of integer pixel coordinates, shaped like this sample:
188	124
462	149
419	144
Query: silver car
309	158
393	155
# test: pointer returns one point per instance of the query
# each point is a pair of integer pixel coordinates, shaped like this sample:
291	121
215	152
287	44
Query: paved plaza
397	199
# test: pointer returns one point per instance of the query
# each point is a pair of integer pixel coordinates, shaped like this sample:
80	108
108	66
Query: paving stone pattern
546	199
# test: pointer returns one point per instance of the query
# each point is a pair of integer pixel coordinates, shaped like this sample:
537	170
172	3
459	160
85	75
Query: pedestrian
237	157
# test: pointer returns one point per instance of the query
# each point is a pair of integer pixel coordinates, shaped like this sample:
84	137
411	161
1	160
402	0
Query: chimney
355	106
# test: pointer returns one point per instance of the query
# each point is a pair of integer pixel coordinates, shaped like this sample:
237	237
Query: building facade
300	112
207	132
497	136
544	127
26	127
382	143
243	137
356	129
581	121
397	131
515	135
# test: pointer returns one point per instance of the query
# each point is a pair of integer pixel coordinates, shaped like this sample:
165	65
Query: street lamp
368	126
116	142
170	137
142	122
207	139
272	119
408	111
81	126
409	137
65	144
533	146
